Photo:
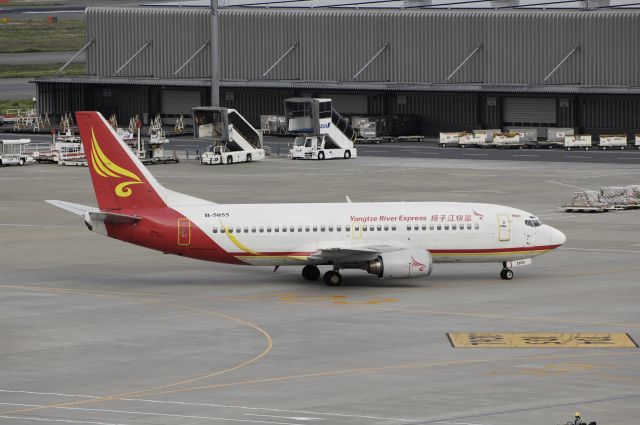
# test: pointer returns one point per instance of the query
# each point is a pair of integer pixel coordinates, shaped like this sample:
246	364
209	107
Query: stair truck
233	138
322	133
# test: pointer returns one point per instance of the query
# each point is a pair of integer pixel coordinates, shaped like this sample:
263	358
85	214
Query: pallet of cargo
592	208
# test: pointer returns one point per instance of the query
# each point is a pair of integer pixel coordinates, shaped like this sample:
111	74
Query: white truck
233	138
12	152
322	132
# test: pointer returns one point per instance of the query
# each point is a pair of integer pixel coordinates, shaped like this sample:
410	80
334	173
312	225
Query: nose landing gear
506	273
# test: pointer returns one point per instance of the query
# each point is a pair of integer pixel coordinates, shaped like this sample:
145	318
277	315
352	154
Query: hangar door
348	104
176	102
529	112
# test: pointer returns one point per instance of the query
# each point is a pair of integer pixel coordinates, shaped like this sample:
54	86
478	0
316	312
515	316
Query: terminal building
505	64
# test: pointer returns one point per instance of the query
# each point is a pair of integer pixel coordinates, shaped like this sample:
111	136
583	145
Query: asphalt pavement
16	88
40	58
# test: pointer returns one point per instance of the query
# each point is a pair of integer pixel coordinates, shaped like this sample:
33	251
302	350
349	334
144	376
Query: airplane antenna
348	199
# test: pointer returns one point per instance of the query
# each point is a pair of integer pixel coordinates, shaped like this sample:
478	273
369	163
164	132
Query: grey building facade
455	70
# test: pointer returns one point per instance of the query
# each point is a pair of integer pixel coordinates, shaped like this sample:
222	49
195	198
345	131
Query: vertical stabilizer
119	179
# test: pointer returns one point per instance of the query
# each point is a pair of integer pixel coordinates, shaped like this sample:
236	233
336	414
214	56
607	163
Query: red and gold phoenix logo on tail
106	168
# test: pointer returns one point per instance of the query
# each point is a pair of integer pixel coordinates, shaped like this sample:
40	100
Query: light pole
215	55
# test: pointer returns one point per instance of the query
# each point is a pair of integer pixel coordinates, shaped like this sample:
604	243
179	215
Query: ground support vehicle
578	141
12	152
555	137
470	139
233	138
613	141
508	140
322	132
449	139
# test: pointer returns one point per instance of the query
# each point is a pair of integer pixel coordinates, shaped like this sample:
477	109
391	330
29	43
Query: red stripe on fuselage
158	230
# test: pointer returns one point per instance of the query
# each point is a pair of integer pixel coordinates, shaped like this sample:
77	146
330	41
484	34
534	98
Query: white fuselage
281	234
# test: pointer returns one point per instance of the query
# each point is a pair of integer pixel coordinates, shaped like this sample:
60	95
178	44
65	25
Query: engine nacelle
402	264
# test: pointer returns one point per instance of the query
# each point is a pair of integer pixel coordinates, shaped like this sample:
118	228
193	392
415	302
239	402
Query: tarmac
95	331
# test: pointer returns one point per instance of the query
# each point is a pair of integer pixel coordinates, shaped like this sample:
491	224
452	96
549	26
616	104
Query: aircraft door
184	232
504	227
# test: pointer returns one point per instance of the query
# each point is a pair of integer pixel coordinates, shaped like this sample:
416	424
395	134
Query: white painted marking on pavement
37	225
286	417
567	185
536	156
475	154
131	412
633	159
68	421
577	156
224	406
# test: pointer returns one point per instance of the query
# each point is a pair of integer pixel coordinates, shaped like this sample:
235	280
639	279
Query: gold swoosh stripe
236	242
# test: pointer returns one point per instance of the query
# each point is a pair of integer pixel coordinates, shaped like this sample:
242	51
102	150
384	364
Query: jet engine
401	264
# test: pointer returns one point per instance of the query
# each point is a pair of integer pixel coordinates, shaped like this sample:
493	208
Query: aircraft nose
557	237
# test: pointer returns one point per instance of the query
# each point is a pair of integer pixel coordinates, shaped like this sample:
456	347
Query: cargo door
184	232
504	227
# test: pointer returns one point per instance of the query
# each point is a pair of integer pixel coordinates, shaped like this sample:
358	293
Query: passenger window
307	228
439	227
276	229
454	226
215	229
347	228
300	229
461	226
338	228
364	228
322	228
446	227
292	228
386	227
424	227
431	227
408	227
230	229
268	229
246	229
379	227
393	227
253	229
356	227
261	229
330	228
476	226
468	226
315	228
238	229
416	227
284	229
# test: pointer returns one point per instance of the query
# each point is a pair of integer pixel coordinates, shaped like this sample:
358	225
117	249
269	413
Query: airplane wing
350	254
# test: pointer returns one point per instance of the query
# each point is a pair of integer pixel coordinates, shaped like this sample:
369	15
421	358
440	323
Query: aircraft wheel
22	161
347	154
321	155
248	157
506	274
229	160
310	272
332	278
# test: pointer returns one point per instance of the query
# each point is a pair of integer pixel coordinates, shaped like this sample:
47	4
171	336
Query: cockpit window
533	221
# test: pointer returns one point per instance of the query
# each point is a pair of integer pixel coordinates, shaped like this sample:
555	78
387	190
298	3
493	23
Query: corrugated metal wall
519	47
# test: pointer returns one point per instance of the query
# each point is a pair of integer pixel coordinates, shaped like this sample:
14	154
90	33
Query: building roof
332	85
395	4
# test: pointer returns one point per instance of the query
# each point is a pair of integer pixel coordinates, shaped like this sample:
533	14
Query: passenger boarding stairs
227	127
315	116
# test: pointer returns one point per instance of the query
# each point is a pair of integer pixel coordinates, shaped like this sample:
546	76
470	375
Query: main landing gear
506	273
312	273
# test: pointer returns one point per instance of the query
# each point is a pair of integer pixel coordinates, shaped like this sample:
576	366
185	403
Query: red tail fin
119	178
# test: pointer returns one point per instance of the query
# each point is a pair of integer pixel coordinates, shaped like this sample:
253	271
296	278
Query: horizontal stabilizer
77	209
109	217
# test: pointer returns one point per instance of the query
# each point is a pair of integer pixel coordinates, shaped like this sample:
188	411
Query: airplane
392	240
